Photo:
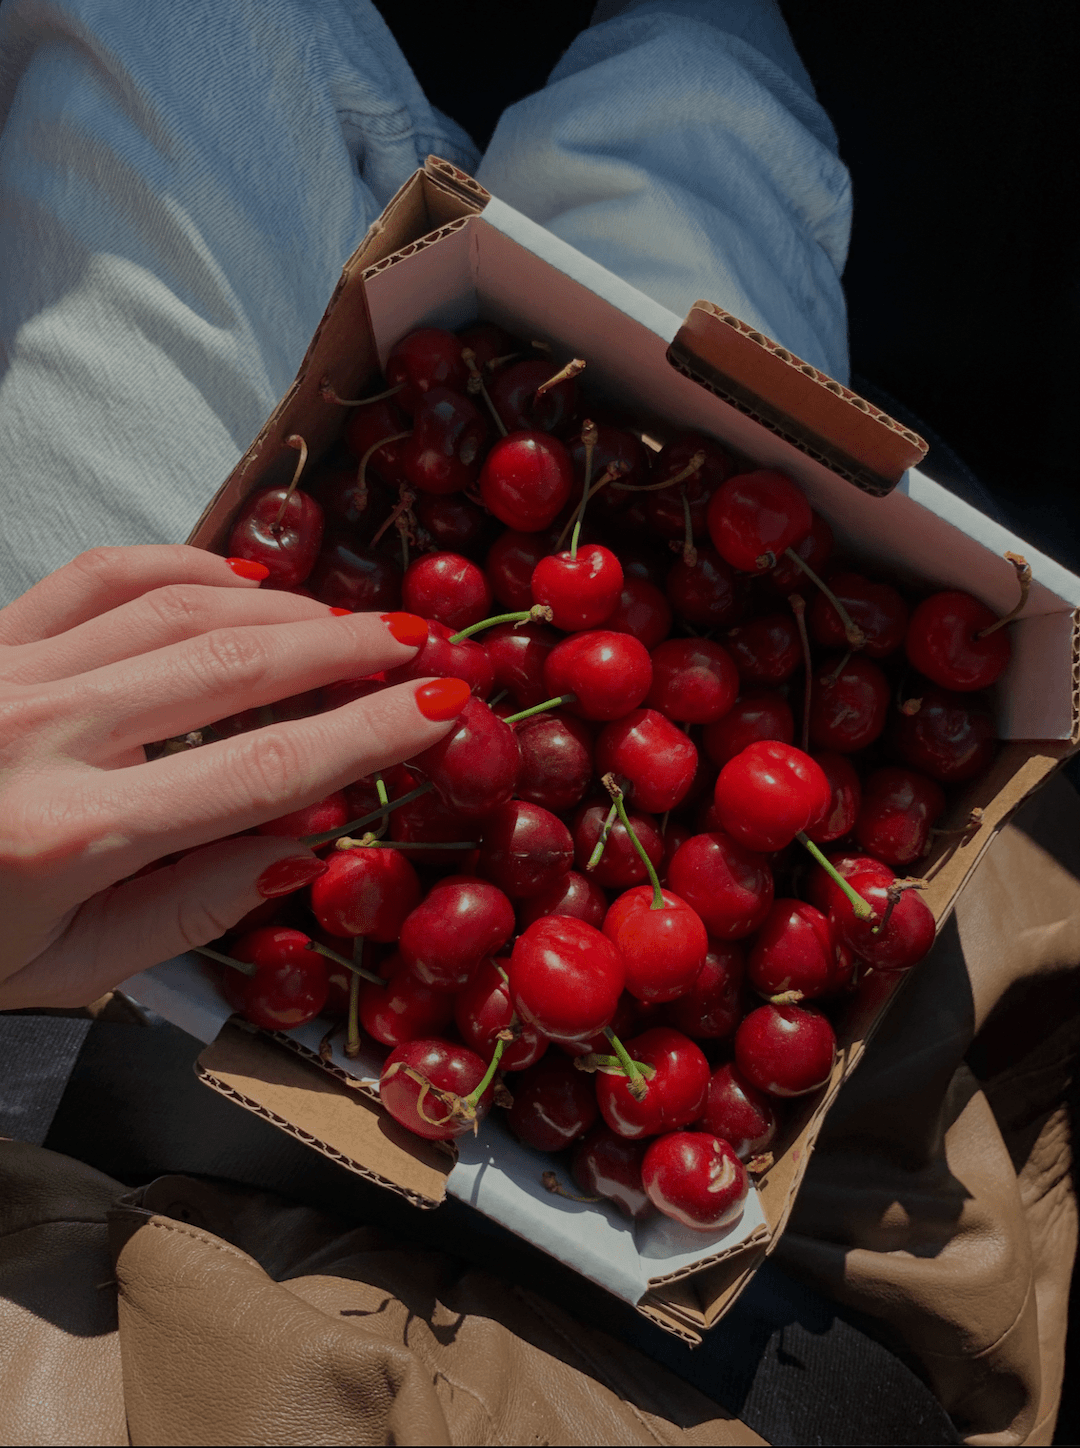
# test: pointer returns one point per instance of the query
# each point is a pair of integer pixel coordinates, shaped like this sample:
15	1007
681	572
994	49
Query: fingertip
441	700
248	569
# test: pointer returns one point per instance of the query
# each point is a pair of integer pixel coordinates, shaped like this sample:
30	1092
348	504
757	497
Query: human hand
125	646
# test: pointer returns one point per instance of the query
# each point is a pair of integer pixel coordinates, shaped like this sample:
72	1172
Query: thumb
143	921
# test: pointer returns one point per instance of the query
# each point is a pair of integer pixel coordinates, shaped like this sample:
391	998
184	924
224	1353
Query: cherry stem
352	1028
541	708
1023	578
852	632
405	501
616	793
798	608
328	836
610	473
893	893
472	1100
296	441
833	678
539	613
348	964
243	966
573	368
594	858
327	393
594	1061
361	472
696	462
861	907
369	842
635	1081
589	437
494	362
689	552
476	384
551	1183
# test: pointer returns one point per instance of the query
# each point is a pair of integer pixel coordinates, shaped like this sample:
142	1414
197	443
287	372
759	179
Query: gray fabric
37	1054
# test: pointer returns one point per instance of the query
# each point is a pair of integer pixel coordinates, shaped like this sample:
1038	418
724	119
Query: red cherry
674	835
704	593
794	951
525	849
348	575
429	821
654	761
769	793
694	681
758	714
368	425
663	949
459	922
613	445
848	705
664	509
475	766
951	737
581	592
607	1165
675	1094
573	894
766	650
609	672
483	1009
453	524
642	610
365	891
814	548
554	1104
330	813
905	937
556	760
281	530
753	517
510	564
696	1178
517	653
943	642
630	1017
620	866
414	1077
729	886
876	608
713	1005
404	1009
349	505
526	480
448	438
845	795
442	659
488	342
899	808
427	358
823	892
513	394
785	1050
739	1113
289	986
565	978
446	587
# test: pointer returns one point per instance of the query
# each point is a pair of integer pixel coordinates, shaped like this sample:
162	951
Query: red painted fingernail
341	612
289	875
247	568
442	699
407	628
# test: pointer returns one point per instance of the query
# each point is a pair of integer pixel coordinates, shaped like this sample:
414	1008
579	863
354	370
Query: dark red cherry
943	642
565	978
610	673
362	796
664	509
675	1093
513	393
640	559
694	681
556	760
488	343
758	714
517	653
753	517
630	1017
899	809
423	1081
766	650
526	480
704	593
877	608
729	886
289	986
365	891
348	575
554	1104
330	813
845	795
460	921
510	564
368	425
674	836
573	894
282	531
739	1113
483	1009
821	890
607	1165
474	767
848	704
663	949
695	1178
427	358
429	820
446	587
581	591
453	524
449	434
642	610
442	659
613	445
620	866
794	951
814	548
525	849
712	1006
350	507
785	1050
769	793
951	737
653	760
405	1008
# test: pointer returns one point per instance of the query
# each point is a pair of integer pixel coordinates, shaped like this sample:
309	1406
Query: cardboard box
445	253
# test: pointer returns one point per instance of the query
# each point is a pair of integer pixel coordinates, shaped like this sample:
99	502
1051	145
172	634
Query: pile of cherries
617	899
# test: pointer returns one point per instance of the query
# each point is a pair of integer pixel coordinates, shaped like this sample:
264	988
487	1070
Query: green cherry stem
798	608
598	850
243	966
616	793
328	836
541	708
471	1101
539	613
636	1082
352	1029
861	907
348	964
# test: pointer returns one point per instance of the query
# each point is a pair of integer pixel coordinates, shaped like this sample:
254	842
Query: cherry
331	813
785	1050
448	437
642	610
446	587
405	1008
349	504
489	343
629	1018
441	658
620	865
758	714
556	760
289	986
769	793
513	395
607	1165
694	681
362	796
483	1009
510	565
554	1104
712	1006
664	508
656	760
565	978
662	948
899	808
814	548
429	821
704	592
674	835
461	920
424	1085
849	704
348	575
282	529
366	890
452	523
876	608
897	938
573	894
823	891
951	737
739	1113
943	642
525	480
368	425
517	653
613	445
754	517
794	951
674	1095
610	673
474	767
766	650
640	559
427	358
845	795
580	590
525	849
729	886
696	1178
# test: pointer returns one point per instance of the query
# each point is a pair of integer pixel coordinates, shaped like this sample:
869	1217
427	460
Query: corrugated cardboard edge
804	406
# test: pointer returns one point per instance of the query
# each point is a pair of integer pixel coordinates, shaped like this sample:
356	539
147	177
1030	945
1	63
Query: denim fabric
180	185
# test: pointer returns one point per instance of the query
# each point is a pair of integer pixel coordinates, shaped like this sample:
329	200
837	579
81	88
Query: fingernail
442	699
247	568
289	875
407	628
341	612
